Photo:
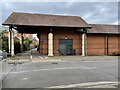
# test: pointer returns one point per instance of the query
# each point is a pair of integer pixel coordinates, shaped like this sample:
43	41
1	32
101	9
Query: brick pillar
83	44
50	44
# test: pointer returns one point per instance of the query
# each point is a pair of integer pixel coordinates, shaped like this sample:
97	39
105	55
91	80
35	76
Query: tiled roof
103	29
44	20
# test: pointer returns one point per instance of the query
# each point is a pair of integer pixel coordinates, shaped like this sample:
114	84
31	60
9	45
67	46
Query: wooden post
21	42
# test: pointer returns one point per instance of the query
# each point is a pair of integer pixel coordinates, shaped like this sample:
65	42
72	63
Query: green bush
5	43
16	45
17	48
116	54
26	44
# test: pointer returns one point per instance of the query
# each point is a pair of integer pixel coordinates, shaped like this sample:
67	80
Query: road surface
64	74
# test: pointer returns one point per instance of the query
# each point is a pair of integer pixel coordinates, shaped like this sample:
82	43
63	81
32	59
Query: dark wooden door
65	46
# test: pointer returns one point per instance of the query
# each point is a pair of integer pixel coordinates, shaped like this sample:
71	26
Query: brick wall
97	44
60	34
113	43
68	34
43	42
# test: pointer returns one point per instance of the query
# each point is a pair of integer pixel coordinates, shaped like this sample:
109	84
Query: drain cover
54	62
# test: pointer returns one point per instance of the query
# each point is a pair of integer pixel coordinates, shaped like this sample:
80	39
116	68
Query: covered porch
50	29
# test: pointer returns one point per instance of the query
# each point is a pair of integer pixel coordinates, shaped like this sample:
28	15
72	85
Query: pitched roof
44	20
103	29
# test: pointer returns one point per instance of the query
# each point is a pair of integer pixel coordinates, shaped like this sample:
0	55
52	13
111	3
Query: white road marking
41	57
64	68
95	61
43	60
46	57
104	86
24	78
88	85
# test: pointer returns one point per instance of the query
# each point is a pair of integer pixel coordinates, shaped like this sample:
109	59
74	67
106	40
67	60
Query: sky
91	12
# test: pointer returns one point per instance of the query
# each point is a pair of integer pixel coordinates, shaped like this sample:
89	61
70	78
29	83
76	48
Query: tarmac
64	72
8	65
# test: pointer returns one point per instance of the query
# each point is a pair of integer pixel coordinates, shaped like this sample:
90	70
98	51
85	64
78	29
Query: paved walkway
74	58
36	57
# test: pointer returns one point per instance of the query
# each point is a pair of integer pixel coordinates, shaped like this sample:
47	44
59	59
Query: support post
12	43
39	49
50	44
9	38
83	44
21	42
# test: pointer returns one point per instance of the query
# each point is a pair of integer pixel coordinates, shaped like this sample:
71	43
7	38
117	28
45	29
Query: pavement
43	58
36	57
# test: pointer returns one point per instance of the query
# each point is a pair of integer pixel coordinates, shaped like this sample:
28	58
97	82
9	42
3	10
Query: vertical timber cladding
67	34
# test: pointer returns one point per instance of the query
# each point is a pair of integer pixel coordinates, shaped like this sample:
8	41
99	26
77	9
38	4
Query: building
5	32
66	35
34	44
103	39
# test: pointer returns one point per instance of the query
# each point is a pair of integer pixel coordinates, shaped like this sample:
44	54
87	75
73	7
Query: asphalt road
63	74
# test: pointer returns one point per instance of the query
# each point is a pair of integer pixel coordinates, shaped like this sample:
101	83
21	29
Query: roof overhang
30	23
